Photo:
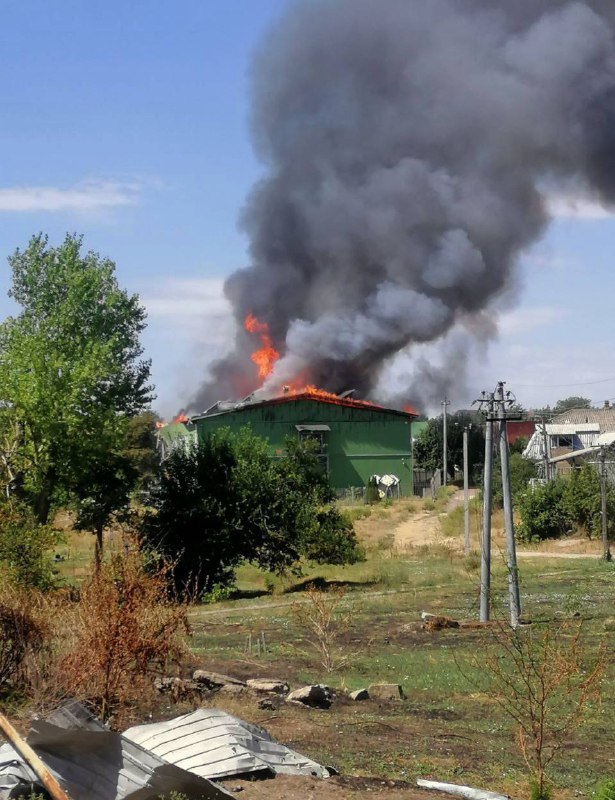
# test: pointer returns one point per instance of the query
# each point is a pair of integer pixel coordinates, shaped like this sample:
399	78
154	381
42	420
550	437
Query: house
560	441
355	439
604	417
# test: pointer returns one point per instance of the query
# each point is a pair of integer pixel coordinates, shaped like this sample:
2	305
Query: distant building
355	439
603	417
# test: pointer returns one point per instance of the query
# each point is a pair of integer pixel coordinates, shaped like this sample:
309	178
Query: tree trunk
43	505
98	551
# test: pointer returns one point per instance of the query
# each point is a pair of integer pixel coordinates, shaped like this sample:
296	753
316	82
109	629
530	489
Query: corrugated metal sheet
213	744
569	428
93	763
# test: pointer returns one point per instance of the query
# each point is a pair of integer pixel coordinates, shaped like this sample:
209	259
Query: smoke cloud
407	148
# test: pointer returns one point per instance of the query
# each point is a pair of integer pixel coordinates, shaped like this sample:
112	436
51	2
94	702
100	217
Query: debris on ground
266	686
316	696
386	691
213	744
90	762
435	622
359	694
461	791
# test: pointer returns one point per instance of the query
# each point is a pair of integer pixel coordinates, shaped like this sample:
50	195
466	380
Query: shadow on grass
322	584
248	594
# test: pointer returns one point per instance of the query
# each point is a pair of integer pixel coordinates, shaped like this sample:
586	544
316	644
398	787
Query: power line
562	385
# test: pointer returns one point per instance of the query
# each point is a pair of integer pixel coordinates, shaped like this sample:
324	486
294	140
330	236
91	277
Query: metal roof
93	763
604	417
214	744
569	428
315	397
313	427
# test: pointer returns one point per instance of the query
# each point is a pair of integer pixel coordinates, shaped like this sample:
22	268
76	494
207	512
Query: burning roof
306	393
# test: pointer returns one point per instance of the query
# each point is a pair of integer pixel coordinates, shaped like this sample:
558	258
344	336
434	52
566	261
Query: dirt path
425	529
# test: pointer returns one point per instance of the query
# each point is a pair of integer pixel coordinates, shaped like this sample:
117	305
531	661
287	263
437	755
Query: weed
322	618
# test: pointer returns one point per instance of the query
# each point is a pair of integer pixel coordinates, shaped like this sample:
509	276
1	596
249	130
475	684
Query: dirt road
425	528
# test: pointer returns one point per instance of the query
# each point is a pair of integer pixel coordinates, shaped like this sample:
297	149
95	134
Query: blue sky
128	122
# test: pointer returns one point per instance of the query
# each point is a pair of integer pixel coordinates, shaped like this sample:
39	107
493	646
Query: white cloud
86	197
196	305
572	205
190	325
524	320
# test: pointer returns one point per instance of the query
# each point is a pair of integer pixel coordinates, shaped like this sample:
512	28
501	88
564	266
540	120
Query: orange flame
266	356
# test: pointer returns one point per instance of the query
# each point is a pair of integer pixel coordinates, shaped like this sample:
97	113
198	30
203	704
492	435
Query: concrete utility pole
445	404
466	493
545	444
513	572
606	551
485	560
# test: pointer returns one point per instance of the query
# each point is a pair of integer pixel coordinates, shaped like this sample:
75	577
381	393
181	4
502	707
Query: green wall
362	441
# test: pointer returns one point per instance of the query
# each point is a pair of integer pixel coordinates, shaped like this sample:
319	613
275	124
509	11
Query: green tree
582	501
428	445
71	374
522	470
571	402
226	500
543	512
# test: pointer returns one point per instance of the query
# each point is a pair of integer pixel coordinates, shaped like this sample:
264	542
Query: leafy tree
543	512
428	445
225	500
71	375
582	500
571	402
522	470
140	448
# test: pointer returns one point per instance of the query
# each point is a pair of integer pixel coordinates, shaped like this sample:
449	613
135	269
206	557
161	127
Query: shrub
582	500
125	627
543	512
21	634
24	546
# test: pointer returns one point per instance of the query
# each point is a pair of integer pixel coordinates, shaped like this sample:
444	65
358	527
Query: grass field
447	728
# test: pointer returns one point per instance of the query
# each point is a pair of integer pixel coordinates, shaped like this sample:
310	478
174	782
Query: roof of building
316	396
604	417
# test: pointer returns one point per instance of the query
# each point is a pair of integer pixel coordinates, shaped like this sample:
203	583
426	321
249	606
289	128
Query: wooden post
30	757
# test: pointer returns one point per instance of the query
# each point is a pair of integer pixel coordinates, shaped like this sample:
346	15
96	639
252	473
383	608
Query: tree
428	445
71	376
522	470
582	501
571	402
543	512
225	500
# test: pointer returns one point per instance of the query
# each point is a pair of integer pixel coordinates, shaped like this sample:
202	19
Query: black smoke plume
408	147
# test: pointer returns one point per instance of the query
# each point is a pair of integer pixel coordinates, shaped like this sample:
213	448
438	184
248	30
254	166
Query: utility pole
513	572
545	444
485	560
466	493
445	404
606	551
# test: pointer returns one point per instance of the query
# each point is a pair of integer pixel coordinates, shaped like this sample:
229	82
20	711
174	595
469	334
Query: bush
582	500
543	512
125	627
21	634
24	546
226	500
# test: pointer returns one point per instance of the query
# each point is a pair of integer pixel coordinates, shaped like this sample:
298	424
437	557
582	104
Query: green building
355	439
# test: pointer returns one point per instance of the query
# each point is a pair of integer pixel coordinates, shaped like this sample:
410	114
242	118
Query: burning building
355	439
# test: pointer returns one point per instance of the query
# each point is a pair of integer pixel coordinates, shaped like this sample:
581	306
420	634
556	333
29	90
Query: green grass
445	727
